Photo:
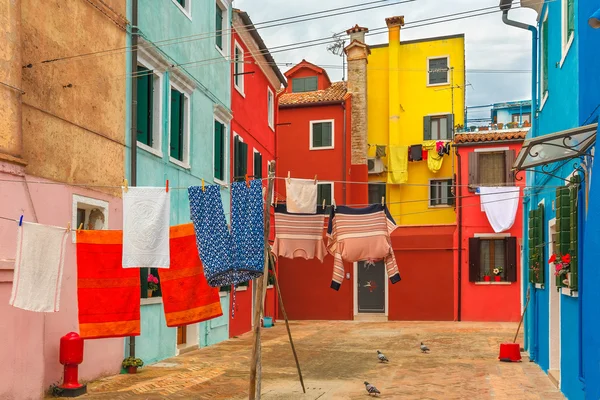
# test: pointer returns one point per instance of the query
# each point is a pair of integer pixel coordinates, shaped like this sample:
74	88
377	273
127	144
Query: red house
485	159
255	81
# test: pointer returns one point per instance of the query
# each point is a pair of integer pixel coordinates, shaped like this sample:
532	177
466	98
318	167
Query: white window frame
225	180
543	95
311	123
239	88
87	203
565	41
330	183
187	10
271	110
447	57
224	6
157	108
429	195
187	98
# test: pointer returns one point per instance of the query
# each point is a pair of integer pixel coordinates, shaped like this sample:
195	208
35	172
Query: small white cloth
301	196
146	228
500	205
38	267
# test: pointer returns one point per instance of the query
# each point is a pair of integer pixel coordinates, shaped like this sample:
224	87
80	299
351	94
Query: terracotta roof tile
490	136
336	92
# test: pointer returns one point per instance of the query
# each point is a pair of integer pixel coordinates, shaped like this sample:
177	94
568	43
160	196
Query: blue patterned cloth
229	258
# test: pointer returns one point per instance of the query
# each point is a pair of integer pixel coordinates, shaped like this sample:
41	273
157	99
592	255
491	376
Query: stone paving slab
337	356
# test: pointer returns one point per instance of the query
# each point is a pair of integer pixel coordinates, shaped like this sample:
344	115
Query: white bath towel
500	205
146	219
38	267
301	196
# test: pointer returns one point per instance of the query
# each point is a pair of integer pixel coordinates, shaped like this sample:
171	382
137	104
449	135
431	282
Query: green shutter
536	245
531	243
570	17
563	229
317	139
236	156
257	166
426	128
327	134
449	126
219	150
545	56
311	84
243	159
219	27
176	125
297	85
574	225
324	193
144	105
449	184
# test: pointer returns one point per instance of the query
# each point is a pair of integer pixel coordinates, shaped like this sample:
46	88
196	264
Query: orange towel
187	298
108	295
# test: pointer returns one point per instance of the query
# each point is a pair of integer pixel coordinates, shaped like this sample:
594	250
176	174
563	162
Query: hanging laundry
356	234
439	146
229	258
425	154
301	195
443	148
299	235
434	161
500	205
429	144
146	212
187	298
38	272
398	165
380	151
108	296
416	152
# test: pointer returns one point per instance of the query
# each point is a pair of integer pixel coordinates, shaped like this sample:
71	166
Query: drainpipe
133	131
344	156
458	196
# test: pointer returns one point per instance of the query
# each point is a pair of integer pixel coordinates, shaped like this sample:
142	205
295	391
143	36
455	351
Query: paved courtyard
336	357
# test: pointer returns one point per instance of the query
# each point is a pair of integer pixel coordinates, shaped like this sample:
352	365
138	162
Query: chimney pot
357	33
395	21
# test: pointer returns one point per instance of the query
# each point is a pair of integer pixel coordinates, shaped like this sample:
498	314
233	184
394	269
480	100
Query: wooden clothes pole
522	316
259	301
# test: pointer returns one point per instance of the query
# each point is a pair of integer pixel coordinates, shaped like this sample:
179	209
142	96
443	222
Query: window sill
565	50
322	148
442	206
183	10
149	149
270	287
179	163
569	293
219	182
241	288
501	283
150	301
240	90
539	286
543	102
220	50
437	84
223	294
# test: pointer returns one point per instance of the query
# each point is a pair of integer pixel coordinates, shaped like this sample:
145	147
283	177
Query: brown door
181	335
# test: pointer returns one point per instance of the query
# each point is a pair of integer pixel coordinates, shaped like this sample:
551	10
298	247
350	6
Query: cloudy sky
490	44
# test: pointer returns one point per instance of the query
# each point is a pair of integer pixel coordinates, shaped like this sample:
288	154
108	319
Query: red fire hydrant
71	355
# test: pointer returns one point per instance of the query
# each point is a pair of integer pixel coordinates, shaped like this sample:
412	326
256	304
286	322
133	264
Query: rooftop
491	136
510	104
336	92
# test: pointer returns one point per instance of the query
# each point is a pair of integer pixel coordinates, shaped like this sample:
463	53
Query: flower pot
132	370
150	293
497	278
487	278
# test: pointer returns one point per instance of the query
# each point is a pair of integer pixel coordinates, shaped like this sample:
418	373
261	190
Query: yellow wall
416	100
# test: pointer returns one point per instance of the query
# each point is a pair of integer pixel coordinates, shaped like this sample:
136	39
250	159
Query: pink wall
487	302
30	341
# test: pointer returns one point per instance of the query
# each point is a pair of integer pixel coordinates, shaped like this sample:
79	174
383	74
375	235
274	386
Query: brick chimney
357	52
394	24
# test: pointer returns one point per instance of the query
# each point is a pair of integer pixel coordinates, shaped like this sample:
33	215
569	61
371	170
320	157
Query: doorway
371	288
181	335
554	313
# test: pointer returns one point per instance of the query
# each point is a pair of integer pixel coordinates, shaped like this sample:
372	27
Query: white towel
500	205
301	196
146	228
38	267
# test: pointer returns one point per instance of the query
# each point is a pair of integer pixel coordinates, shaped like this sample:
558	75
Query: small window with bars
438	72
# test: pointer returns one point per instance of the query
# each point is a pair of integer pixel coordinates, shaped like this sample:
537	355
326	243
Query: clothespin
383	201
21	221
203	185
68	227
275	201
167	186
315	179
247	181
323	204
125	185
289	176
80	226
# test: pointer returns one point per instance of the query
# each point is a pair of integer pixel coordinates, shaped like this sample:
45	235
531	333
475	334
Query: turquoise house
182	120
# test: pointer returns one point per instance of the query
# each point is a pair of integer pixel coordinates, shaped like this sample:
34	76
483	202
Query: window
309	84
92	213
568	25
145	293
376	192
491	168
325	192
321	134
437	71
441	193
544	50
486	254
219	27
185	7
521	118
179	126
257	165
149	109
526	117
238	69
219	151
240	161
271	108
438	127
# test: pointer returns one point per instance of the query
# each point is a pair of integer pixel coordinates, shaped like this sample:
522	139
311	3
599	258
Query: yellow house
415	97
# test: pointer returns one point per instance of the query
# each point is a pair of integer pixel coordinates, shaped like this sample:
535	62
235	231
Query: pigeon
424	348
381	357
371	389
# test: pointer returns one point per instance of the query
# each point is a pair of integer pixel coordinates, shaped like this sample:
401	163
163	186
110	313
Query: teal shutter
176	125
574	225
426	128
219	151
311	84
545	56
219	27
563	226
570	17
144	105
317	139
297	85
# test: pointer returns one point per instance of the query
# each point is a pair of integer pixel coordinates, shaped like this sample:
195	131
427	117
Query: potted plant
131	364
152	284
497	271
487	277
562	267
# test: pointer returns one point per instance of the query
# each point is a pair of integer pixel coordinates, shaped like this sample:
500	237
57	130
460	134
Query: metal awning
564	145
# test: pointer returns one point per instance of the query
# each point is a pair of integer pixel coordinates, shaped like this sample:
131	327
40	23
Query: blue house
179	108
561	213
516	112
